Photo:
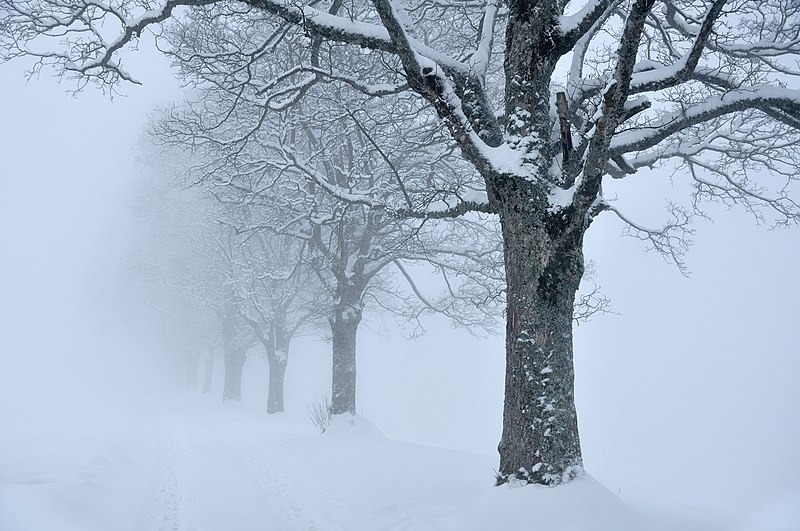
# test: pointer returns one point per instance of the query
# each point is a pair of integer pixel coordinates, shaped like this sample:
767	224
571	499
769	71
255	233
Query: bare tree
277	291
325	181
211	282
170	274
703	84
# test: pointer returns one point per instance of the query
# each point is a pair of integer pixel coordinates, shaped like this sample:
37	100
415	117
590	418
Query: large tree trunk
344	325
277	358
544	265
277	370
234	363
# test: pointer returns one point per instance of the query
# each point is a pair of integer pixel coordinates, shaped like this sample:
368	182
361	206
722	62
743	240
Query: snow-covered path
197	465
181	468
216	477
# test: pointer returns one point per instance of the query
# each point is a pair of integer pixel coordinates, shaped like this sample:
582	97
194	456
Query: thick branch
613	109
764	98
681	71
575	26
464	207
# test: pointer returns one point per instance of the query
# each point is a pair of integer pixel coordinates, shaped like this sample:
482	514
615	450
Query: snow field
198	465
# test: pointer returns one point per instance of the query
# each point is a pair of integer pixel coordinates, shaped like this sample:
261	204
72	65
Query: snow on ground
204	466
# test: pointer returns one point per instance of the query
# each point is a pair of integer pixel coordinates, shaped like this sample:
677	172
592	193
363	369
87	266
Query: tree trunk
234	357
234	362
530	60
277	370
208	371
344	325
544	265
192	370
277	358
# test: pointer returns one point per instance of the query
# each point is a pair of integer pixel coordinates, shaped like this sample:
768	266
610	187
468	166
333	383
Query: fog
687	395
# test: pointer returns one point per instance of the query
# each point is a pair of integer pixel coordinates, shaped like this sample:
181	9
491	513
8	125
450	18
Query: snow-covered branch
762	97
574	27
663	77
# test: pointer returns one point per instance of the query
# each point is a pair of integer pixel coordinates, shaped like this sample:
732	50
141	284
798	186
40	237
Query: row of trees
293	234
519	109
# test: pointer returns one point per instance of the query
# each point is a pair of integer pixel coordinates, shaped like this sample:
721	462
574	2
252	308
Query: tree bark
234	363
344	325
234	358
530	60
277	370
544	265
277	356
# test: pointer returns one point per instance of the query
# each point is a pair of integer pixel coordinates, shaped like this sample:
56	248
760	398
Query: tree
206	279
209	282
719	73
189	260
276	290
170	272
324	181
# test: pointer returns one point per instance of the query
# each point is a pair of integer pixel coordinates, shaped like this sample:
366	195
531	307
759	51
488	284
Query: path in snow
198	465
215	476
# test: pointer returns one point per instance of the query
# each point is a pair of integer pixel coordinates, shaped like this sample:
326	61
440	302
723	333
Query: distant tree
324	180
705	85
186	260
278	295
166	268
213	282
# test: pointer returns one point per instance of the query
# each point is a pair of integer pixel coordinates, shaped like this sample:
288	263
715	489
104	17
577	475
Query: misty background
687	396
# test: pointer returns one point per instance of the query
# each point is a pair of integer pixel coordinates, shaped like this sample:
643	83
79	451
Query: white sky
690	394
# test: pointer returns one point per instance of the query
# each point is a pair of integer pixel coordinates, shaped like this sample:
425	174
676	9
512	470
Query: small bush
319	411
